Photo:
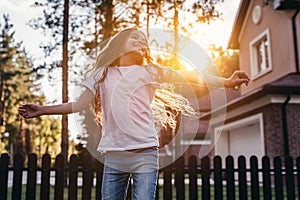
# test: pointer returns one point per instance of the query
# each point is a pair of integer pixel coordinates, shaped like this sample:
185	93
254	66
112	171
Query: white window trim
253	55
240	123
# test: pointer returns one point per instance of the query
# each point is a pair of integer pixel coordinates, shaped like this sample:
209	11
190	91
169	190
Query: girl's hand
237	79
30	110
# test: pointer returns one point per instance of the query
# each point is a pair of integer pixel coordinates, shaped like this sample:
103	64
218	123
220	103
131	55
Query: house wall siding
293	118
273	130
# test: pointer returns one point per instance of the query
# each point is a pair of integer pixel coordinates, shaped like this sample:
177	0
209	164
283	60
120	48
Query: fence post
157	187
290	182
278	178
45	184
87	178
218	177
99	176
59	177
193	176
4	160
17	179
179	178
167	186
242	175
73	175
254	178
266	178
31	177
229	173
298	174
205	174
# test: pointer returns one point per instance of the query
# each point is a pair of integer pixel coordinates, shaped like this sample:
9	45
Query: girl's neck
129	60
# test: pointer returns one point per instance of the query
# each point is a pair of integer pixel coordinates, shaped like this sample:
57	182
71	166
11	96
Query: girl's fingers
26	106
24	110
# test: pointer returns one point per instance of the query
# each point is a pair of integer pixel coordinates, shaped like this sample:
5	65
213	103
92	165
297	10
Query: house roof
288	85
233	42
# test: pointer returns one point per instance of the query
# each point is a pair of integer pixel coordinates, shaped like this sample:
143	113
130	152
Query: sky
21	11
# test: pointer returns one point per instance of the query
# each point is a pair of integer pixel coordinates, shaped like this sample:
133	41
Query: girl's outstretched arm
33	110
235	80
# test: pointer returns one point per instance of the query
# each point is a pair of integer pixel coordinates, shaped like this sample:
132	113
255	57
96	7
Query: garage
243	137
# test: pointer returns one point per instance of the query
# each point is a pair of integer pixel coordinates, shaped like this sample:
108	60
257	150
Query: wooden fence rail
264	179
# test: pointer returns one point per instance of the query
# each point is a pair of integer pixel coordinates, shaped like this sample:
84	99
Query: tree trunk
64	139
108	26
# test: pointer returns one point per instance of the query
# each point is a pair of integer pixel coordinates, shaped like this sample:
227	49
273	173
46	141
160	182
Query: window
260	56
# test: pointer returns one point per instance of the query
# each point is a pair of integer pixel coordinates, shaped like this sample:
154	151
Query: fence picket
45	184
229	173
193	188
267	192
17	179
73	176
179	178
87	178
254	178
59	177
157	190
4	161
242	177
218	177
205	175
99	176
298	174
167	187
290	181
31	177
278	178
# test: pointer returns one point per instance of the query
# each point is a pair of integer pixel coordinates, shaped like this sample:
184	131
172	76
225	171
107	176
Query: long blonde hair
166	104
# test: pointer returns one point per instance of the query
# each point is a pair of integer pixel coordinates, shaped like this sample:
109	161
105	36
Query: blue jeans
115	184
121	167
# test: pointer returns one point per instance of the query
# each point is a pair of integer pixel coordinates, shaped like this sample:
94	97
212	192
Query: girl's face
136	43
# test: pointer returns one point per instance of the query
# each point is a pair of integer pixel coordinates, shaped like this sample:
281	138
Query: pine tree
18	85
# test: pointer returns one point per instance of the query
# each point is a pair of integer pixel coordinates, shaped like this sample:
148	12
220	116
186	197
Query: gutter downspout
286	147
295	40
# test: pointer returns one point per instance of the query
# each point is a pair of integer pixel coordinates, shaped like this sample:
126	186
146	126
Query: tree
55	22
225	61
168	13
18	85
65	59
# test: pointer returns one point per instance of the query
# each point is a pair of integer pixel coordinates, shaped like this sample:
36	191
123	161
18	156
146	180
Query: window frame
256	72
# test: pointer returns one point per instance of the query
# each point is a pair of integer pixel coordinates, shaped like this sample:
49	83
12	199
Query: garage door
243	137
246	141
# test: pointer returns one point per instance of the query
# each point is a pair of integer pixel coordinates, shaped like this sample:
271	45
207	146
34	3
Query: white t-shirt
126	95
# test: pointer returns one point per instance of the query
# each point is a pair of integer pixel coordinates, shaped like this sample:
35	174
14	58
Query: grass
51	192
160	192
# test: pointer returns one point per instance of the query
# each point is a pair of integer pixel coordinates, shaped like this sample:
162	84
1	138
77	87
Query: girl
123	85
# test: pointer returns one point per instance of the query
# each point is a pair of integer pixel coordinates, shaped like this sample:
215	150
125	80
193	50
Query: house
265	118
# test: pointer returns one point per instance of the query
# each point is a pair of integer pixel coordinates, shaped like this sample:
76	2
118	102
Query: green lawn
160	192
51	192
